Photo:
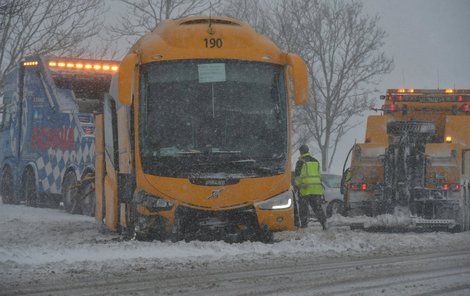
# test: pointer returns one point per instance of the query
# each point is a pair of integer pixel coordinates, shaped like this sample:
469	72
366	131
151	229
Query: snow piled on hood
33	236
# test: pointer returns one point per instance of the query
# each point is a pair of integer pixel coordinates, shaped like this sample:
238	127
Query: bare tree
346	62
30	27
143	16
342	47
252	11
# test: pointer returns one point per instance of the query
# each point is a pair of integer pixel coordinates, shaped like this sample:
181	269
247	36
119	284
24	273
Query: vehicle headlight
152	202
278	202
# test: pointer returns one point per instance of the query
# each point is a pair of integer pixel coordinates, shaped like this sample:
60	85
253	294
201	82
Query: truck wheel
334	207
7	191
466	217
69	193
29	189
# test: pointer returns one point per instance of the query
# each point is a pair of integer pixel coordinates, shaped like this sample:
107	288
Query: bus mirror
126	78
299	78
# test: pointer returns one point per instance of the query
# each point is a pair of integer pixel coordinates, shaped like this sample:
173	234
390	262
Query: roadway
441	273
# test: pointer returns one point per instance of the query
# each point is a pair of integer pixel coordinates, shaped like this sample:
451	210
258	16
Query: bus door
111	164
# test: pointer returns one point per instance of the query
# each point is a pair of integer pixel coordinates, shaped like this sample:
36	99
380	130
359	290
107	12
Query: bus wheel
69	193
265	235
29	189
7	192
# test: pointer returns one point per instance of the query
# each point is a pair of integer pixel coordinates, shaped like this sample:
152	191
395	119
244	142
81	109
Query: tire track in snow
309	276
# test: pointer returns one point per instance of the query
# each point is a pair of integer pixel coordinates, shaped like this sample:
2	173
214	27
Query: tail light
358	187
455	187
389	108
465	108
445	186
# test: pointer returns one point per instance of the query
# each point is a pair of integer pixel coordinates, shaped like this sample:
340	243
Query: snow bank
33	236
400	217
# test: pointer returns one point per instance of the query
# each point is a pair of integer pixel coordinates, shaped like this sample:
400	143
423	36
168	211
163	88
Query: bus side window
110	130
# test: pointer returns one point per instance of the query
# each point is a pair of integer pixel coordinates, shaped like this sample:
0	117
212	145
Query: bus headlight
278	202
152	202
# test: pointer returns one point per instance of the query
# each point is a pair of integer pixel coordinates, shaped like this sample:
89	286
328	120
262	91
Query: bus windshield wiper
190	152
248	160
225	152
252	164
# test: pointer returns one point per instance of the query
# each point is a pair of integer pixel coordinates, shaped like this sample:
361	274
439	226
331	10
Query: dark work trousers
315	202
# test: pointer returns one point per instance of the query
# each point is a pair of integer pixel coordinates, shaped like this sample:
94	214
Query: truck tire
69	193
7	192
466	209
468	217
334	207
29	188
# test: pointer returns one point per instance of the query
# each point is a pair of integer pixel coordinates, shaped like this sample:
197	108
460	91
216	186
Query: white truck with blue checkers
47	137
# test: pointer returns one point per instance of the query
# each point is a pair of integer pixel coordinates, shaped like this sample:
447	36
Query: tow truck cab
47	126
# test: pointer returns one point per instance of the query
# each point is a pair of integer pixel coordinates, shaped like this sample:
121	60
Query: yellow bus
194	139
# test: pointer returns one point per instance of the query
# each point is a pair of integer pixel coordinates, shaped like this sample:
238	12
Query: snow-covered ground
35	242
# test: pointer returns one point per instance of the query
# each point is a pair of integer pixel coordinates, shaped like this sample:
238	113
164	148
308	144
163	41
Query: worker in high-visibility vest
309	186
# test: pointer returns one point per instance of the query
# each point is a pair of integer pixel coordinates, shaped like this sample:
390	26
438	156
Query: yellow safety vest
309	180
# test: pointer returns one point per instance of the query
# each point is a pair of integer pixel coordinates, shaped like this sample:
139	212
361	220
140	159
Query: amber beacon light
84	65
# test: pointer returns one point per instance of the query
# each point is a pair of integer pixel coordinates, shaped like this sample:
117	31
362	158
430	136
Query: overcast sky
425	37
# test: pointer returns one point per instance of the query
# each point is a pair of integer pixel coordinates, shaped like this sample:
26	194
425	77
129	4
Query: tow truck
47	128
416	156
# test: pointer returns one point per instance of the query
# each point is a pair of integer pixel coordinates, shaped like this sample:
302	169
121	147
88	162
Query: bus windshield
212	116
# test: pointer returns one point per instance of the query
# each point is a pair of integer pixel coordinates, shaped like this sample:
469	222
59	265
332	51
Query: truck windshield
212	116
89	89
